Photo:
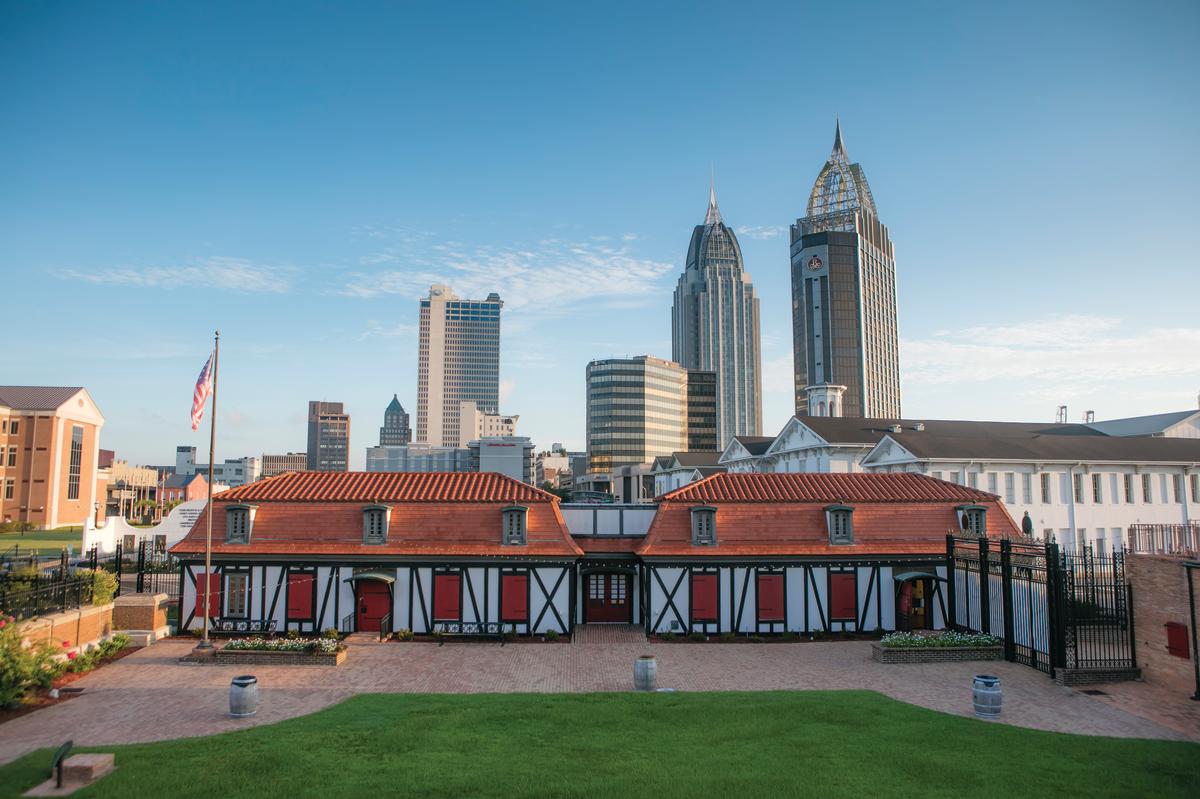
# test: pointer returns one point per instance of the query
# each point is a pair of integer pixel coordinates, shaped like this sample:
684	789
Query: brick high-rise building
328	437
49	455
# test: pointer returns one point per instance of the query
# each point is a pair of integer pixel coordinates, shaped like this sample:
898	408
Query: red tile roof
388	487
432	514
778	515
828	488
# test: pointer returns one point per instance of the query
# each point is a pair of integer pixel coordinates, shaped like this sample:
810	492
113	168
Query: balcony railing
1164	539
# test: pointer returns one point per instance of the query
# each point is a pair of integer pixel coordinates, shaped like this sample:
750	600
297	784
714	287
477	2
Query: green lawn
48	541
812	743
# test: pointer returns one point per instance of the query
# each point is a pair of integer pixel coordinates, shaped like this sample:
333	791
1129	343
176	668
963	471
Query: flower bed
259	651
940	647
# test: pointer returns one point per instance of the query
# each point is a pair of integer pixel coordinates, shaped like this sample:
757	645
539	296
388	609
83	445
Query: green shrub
104	584
23	668
293	634
756	639
668	636
728	637
697	637
946	638
509	635
330	632
404	634
551	635
788	635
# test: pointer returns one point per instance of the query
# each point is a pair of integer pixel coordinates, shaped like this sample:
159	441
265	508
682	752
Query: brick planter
935	654
1070	677
262	657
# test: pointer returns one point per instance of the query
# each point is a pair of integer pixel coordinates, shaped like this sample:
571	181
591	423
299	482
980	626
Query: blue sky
296	174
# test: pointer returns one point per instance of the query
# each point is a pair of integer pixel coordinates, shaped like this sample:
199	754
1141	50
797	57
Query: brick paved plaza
149	696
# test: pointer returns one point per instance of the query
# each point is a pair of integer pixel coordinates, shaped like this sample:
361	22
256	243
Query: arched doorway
916	594
372	599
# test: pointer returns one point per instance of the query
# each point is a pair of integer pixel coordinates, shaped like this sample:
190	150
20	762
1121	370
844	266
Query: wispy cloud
1063	355
761	231
377	329
232	274
550	276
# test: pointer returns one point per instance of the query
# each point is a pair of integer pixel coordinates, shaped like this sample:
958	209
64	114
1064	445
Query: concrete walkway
149	696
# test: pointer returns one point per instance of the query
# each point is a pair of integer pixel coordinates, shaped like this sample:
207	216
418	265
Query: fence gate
1052	610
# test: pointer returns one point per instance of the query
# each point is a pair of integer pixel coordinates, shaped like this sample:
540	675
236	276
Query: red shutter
514	593
843	595
770	597
1177	639
300	595
446	605
214	595
704	597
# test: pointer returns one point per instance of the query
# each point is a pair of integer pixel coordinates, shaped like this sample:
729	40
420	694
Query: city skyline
305	228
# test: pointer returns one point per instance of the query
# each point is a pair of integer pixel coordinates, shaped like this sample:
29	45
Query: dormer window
238	521
839	519
375	524
704	526
513	520
972	519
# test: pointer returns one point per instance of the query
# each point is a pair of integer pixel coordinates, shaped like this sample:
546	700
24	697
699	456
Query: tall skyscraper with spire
396	431
714	324
845	340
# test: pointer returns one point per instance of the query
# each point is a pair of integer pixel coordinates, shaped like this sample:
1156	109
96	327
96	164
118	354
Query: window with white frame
1045	481
973	519
1098	489
375	524
513	520
237	593
840	519
704	526
1010	488
1129	489
238	520
1027	488
973	479
1195	480
992	484
1147	491
1077	487
1177	487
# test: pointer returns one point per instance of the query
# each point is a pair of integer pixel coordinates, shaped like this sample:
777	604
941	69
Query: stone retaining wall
932	654
77	628
260	657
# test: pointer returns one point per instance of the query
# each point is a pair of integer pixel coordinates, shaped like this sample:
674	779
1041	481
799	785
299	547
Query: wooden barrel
243	696
987	695
645	673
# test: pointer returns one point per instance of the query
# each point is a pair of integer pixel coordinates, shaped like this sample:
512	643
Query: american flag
200	395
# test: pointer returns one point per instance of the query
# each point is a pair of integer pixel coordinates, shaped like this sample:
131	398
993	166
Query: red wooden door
608	598
373	601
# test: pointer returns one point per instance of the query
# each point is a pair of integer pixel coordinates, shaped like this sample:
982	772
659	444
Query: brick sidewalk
149	696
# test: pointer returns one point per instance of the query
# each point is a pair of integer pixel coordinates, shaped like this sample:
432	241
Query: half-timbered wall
808	591
550	599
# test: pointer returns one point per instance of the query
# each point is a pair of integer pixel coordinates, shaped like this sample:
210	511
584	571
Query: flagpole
212	445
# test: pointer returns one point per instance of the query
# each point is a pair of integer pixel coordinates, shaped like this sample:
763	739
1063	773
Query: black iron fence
1051	609
44	594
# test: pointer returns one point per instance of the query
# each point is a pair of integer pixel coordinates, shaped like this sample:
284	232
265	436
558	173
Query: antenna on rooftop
1061	416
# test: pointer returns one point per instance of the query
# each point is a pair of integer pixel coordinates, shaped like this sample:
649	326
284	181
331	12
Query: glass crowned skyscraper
844	298
714	324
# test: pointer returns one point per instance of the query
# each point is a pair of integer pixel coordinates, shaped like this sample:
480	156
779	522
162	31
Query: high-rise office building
278	464
458	359
638	409
844	298
396	431
714	324
328	437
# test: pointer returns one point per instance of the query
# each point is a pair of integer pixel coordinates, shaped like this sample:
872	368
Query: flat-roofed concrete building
475	423
639	408
289	462
328	437
458	359
49	455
